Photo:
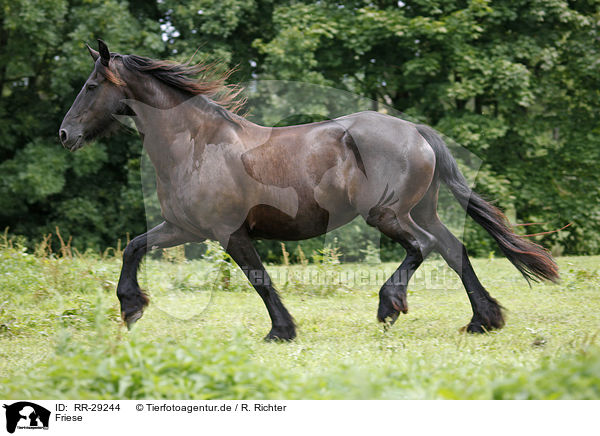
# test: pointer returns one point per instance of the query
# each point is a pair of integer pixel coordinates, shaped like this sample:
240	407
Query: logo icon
26	415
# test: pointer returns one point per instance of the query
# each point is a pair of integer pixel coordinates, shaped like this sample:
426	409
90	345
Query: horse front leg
133	300
242	251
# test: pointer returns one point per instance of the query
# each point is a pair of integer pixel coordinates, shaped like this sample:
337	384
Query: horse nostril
63	136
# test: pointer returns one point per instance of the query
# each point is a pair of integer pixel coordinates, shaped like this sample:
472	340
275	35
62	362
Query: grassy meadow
201	336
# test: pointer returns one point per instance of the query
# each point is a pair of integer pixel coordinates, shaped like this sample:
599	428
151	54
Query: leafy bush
164	369
573	378
216	369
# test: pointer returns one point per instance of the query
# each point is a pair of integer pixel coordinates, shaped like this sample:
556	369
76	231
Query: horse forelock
113	76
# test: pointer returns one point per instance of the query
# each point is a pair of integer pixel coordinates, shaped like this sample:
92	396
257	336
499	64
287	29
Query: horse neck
170	121
172	116
148	90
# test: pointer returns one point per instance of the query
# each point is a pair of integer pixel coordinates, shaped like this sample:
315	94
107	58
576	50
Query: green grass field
61	336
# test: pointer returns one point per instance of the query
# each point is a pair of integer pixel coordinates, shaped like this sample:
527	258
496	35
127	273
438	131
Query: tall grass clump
137	369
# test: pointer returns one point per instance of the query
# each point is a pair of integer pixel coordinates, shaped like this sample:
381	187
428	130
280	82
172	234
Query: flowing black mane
224	99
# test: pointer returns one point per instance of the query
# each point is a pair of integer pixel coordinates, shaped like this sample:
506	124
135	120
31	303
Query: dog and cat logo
26	415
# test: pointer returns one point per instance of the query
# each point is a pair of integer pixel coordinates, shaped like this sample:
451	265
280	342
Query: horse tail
532	260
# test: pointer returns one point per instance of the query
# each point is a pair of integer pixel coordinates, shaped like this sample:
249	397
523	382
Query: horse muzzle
70	140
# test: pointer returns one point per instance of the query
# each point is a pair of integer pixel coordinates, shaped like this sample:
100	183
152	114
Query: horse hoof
474	328
389	311
388	317
389	320
130	320
281	334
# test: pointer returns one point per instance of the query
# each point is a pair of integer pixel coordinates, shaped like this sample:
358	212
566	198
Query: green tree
94	194
513	82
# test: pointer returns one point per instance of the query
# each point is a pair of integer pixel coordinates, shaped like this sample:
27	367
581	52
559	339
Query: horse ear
95	55
104	53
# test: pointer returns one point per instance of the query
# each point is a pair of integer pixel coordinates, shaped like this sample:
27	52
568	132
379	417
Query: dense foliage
515	82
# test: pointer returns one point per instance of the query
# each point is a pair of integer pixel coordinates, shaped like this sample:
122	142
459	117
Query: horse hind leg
417	242
487	312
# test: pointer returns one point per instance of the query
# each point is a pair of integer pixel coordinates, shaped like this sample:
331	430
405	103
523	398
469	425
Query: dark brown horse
221	177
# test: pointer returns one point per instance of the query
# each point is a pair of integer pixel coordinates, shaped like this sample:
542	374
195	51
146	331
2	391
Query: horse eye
91	86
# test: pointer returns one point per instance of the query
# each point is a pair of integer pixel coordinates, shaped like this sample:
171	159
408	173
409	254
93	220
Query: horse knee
134	248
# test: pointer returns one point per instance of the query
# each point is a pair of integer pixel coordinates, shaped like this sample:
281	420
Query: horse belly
316	165
311	220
